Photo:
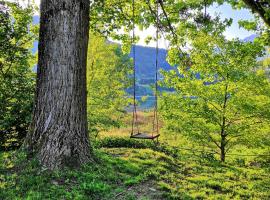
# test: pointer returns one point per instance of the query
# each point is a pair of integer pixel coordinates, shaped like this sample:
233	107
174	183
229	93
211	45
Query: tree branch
257	7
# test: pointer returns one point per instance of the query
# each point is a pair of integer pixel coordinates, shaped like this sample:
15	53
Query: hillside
145	61
145	72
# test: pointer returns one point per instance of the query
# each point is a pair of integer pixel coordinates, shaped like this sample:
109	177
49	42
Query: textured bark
223	133
222	149
58	134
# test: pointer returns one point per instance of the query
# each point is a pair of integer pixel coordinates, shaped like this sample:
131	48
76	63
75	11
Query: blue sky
226	11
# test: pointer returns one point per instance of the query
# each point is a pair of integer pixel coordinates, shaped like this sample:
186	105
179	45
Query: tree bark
222	149
261	8
58	133
223	134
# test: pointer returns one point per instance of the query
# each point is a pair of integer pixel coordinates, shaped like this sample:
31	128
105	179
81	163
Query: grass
130	173
133	169
109	177
193	178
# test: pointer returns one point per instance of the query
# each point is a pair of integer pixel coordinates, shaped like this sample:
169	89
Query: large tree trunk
58	134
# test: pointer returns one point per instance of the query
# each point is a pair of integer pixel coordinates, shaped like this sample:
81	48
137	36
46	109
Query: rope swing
155	132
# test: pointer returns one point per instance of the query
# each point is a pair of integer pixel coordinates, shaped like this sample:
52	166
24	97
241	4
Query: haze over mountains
250	38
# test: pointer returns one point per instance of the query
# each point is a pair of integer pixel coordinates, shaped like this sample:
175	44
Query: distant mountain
145	65
250	38
146	61
145	68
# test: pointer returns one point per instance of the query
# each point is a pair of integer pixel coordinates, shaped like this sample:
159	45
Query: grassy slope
144	172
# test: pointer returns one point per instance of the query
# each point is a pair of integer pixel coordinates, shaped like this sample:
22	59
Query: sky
225	11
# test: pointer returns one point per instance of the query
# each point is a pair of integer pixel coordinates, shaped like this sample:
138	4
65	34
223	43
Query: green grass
190	178
107	178
134	173
134	169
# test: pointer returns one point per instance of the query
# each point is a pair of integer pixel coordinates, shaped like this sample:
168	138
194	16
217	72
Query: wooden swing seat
144	136
139	135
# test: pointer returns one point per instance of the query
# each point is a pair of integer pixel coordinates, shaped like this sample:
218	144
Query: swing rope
135	114
155	120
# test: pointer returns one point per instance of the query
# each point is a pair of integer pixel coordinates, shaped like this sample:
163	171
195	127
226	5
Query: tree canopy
107	81
221	97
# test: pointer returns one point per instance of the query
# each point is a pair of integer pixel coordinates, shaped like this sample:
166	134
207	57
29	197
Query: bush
121	142
16	77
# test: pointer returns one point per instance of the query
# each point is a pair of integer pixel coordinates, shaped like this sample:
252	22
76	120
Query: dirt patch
145	190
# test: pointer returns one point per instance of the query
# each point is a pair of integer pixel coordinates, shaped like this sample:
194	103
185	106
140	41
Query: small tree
17	35
220	97
108	72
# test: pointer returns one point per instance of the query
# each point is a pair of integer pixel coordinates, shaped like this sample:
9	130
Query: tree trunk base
58	134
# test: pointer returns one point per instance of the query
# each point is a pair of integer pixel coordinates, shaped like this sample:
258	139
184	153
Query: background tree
107	81
220	97
17	35
265	62
58	134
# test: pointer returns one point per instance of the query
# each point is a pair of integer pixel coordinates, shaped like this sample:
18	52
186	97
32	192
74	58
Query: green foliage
175	17
108	72
17	79
222	99
129	169
265	63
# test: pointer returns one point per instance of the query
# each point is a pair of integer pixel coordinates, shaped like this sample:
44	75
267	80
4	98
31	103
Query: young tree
107	80
17	35
58	133
220	96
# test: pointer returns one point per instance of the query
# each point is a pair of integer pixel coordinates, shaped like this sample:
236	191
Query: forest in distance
82	117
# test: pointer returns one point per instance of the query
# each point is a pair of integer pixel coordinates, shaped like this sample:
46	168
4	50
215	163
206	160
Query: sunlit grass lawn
139	170
135	174
198	175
